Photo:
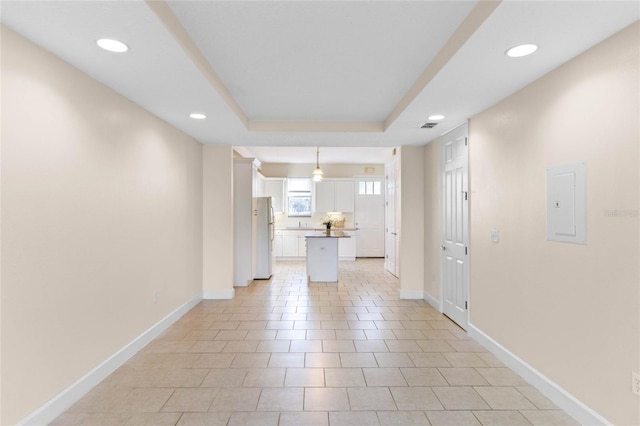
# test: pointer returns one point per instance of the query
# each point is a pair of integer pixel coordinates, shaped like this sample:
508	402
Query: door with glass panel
369	216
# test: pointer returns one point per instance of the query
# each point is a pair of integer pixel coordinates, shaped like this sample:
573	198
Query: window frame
302	195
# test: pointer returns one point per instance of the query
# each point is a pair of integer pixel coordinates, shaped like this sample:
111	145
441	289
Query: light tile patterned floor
285	352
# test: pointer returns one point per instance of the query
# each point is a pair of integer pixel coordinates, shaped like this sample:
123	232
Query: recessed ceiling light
112	45
521	50
436	117
197	116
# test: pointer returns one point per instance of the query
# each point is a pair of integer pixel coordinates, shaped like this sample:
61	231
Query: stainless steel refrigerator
264	237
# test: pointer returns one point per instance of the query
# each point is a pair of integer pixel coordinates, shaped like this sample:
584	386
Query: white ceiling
273	74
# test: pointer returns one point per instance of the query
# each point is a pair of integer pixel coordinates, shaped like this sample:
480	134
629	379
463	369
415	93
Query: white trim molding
219	295
437	304
57	405
559	396
410	294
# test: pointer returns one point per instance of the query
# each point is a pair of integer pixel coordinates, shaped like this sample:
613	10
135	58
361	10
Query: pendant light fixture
317	173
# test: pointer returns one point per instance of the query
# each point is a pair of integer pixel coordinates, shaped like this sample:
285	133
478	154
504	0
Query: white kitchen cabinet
290	246
334	196
347	246
258	182
277	244
293	243
324	194
343	196
322	259
302	245
274	187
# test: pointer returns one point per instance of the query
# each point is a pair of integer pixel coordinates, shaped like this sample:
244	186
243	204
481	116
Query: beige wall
330	170
217	228
570	311
411	222
432	218
102	206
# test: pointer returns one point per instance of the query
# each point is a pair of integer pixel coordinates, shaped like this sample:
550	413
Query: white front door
455	232
369	216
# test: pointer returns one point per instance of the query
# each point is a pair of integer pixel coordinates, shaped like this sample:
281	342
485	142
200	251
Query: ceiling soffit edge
316	126
164	14
481	11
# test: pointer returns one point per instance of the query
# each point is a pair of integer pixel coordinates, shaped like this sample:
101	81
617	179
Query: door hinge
466	194
465	141
466	305
466	250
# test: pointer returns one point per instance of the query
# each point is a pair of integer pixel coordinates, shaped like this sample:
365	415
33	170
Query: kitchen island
322	255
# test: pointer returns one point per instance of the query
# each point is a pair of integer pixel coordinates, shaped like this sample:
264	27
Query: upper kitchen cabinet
274	187
343	196
334	196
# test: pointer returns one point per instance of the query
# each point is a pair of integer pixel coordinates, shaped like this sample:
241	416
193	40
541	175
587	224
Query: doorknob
443	248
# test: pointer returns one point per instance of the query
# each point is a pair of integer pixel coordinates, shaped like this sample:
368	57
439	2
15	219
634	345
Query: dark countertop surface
324	234
313	229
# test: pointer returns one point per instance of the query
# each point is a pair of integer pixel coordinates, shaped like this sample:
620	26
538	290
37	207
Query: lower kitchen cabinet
347	247
292	242
277	244
289	245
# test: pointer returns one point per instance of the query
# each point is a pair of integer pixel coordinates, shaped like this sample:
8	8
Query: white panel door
370	216
390	236
455	232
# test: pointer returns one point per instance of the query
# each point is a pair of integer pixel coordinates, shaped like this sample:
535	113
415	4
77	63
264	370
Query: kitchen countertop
314	229
323	234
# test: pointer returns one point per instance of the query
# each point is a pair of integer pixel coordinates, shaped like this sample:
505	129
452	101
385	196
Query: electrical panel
566	203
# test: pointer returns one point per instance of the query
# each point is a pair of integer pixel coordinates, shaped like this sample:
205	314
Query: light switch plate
495	236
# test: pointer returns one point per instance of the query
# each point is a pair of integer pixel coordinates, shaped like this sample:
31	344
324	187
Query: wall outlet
635	383
495	236
155	296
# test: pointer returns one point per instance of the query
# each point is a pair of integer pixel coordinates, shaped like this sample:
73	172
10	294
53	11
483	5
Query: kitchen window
299	197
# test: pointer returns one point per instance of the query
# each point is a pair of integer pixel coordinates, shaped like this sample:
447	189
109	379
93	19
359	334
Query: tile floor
285	352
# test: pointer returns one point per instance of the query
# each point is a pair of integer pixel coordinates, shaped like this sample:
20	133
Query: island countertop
324	234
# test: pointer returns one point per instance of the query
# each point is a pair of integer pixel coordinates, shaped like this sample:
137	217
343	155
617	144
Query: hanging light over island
317	172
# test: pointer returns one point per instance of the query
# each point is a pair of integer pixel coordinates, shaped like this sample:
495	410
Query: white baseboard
219	295
432	301
559	396
410	294
65	399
